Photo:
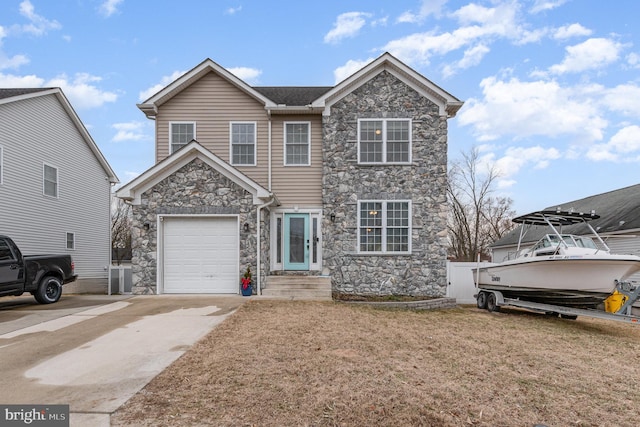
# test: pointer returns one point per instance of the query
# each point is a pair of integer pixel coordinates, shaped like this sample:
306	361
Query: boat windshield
576	241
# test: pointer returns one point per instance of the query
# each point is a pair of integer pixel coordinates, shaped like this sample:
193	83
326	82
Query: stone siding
423	272
195	189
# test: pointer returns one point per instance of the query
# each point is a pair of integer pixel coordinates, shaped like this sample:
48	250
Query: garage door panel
200	255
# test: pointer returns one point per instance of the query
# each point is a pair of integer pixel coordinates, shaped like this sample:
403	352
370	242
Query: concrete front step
298	287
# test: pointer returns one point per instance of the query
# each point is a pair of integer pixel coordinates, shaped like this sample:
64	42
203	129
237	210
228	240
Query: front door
296	241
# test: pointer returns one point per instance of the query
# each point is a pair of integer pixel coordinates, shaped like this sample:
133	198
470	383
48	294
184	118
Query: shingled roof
619	211
293	95
8	93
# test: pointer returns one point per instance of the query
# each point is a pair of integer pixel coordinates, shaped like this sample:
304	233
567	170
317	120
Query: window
243	143
1	163
50	181
384	227
71	241
297	143
180	134
5	251
384	141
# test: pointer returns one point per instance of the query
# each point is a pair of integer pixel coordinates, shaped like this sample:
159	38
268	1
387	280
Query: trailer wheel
492	304
49	290
481	300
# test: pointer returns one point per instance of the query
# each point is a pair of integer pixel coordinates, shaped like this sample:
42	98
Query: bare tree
477	218
120	229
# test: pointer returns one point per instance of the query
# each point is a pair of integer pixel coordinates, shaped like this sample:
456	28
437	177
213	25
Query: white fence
120	279
460	284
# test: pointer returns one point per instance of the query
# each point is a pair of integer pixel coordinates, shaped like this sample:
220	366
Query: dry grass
333	364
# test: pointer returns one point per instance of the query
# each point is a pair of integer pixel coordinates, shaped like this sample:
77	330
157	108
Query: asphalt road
93	352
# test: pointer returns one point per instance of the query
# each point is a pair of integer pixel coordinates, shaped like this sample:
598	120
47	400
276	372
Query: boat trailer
492	300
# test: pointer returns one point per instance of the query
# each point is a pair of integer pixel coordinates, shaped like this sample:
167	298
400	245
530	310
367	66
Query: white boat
560	269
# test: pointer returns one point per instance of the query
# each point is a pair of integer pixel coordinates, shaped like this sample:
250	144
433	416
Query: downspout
258	250
269	151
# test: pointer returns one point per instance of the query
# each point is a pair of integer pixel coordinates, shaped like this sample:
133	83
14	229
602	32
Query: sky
551	87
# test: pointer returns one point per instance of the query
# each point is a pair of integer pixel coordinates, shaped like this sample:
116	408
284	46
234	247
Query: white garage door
200	255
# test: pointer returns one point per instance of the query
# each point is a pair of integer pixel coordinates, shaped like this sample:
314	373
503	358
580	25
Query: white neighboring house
55	184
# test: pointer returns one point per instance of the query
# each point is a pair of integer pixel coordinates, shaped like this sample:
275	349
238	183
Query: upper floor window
180	134
50	181
1	163
384	226
297	143
243	143
384	140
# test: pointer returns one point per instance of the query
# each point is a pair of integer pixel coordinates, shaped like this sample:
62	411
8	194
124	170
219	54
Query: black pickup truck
41	275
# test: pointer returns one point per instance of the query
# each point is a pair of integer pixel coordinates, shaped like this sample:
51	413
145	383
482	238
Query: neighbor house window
243	143
71	241
384	141
50	181
384	226
180	134
297	143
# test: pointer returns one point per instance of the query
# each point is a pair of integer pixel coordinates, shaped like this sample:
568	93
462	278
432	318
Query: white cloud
478	25
13	81
573	30
39	25
109	7
148	93
132	131
249	75
633	60
233	10
544	5
515	158
472	57
341	73
347	25
81	91
624	146
624	98
591	54
13	62
428	8
539	108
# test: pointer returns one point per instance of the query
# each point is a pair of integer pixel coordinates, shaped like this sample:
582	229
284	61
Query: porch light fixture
333	217
246	226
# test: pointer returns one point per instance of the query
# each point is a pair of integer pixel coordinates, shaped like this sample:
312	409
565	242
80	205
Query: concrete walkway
95	352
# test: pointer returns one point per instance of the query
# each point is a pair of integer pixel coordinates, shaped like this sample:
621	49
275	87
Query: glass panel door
296	241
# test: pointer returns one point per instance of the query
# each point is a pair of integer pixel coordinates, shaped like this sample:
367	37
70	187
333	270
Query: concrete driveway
93	352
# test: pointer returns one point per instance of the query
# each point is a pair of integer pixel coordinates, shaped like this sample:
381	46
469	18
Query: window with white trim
71	241
242	137
50	180
384	226
180	134
384	141
297	143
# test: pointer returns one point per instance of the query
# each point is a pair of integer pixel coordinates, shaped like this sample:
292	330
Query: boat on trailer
560	269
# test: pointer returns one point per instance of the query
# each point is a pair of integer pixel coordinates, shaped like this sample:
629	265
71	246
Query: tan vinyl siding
212	103
297	185
36	131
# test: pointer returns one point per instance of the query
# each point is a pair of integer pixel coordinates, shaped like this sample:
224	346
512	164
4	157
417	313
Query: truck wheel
492	304
481	300
49	290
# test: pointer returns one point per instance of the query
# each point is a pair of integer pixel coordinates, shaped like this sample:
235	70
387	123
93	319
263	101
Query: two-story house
55	184
346	182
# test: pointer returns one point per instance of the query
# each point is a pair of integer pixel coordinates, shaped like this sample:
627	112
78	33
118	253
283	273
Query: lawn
284	363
